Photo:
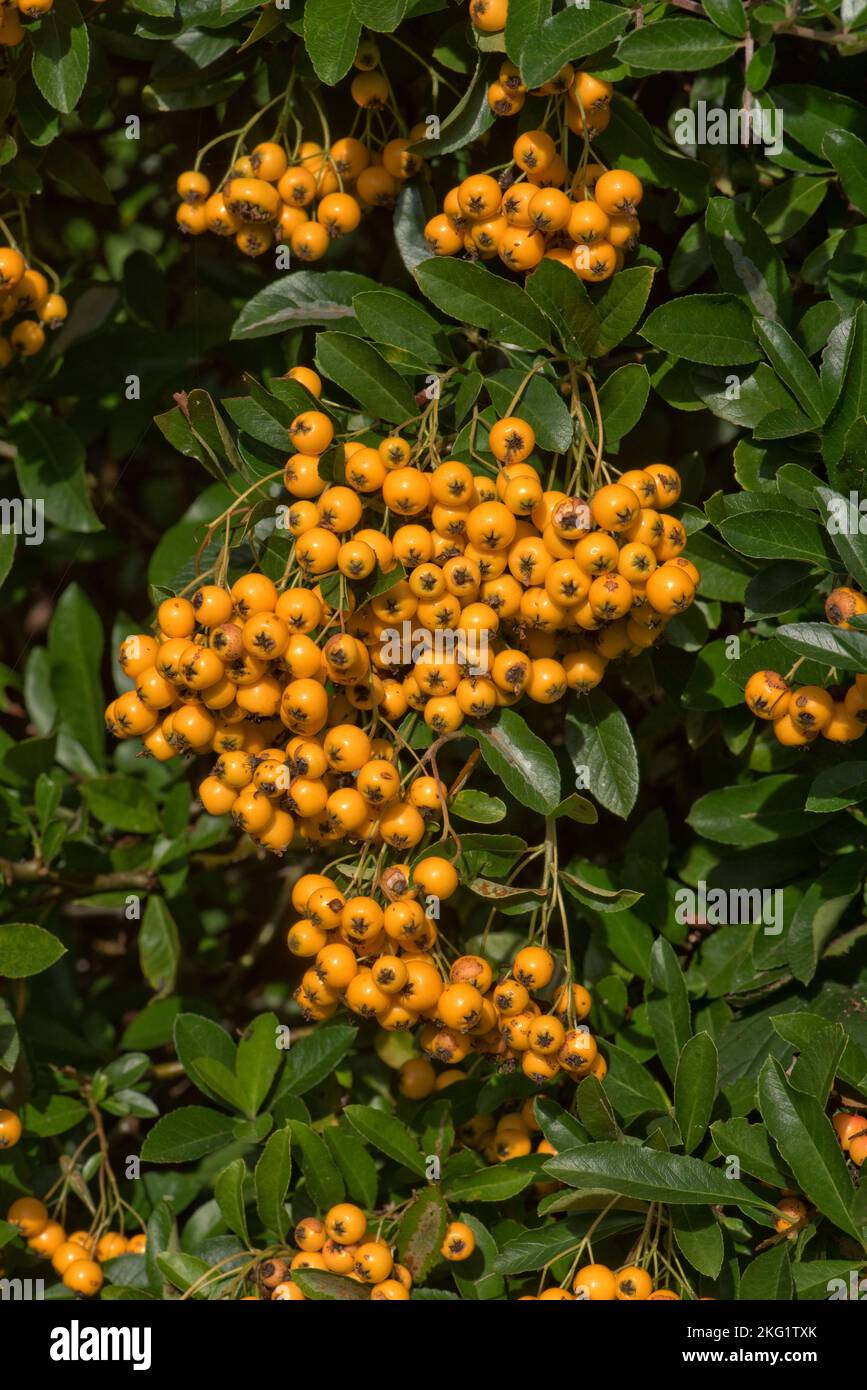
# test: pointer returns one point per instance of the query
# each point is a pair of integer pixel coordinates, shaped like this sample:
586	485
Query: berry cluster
851	1131
379	959
588	230
25	291
305	195
799	714
344	1242
537	590
76	1257
597	1283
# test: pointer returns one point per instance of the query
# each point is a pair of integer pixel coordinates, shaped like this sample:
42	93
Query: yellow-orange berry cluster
345	1241
508	590
599	1284
851	1132
799	714
589	229
27	299
304	196
378	959
537	208
75	1257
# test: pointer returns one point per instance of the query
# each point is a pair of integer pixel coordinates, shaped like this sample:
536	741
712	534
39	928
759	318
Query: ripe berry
10	1129
459	1242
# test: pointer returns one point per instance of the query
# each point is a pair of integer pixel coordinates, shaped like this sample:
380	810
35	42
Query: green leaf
319	1284
751	1145
159	946
46	1116
744	257
836	788
768	1276
7	554
522	762
848	155
668	1008
387	1134
827	644
258	1058
310	1060
358	368
75	646
491	1184
851	402
700	1238
523	19
620	306
650	1176
560	1128
195	1038
297	300
565	303
728	15
355	1163
792	366
331	33
61	55
321	1174
122	803
818	914
828	1279
603	754
388	316
471	294
812	113
622	398
411	212
421	1232
479	807
229	1194
26	950
819	1062
594	1110
778	535
182	1270
50	466
695	1087
382	16
10	1042
850	544
804	1136
715	329
186	1134
756	813
222	1081
630	1086
599	899
466	121
790	205
675	45
571	34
